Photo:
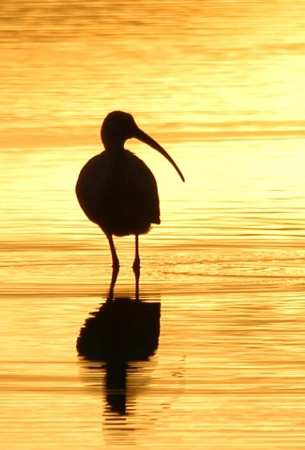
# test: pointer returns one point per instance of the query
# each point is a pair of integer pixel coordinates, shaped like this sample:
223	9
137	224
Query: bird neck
114	145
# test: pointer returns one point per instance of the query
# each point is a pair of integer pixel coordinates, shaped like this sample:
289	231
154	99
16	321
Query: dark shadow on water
121	331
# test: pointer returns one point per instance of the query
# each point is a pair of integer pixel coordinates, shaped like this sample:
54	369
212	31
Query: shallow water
220	86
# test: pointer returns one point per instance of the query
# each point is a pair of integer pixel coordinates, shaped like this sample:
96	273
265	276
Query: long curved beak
139	134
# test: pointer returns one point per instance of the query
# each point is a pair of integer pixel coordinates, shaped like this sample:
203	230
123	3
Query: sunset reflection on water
220	86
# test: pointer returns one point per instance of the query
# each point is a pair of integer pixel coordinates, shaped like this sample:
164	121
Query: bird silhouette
116	190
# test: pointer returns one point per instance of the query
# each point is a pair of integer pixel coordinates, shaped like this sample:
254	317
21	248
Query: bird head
119	126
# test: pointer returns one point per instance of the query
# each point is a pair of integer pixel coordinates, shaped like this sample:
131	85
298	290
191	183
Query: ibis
116	190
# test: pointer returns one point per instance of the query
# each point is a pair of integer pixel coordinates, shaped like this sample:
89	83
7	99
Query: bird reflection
116	387
122	330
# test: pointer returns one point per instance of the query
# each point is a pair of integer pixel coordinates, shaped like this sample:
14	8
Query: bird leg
136	263
136	266
112	284
115	259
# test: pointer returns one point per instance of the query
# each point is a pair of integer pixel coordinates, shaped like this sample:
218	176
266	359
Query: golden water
220	85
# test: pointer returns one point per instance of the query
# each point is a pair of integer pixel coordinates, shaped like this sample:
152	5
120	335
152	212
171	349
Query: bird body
119	193
116	190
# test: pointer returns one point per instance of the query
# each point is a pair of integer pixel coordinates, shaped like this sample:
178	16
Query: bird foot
136	264
136	270
136	267
115	269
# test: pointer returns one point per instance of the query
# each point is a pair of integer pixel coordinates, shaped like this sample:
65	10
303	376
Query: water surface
220	85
